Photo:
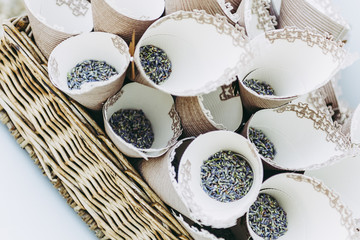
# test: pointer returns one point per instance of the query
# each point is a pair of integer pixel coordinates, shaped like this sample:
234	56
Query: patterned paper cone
75	50
54	21
161	175
159	109
340	177
318	14
302	138
222	7
256	17
124	16
193	72
294	62
218	110
313	210
203	208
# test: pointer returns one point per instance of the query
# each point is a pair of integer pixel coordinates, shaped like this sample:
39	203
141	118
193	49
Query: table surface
31	208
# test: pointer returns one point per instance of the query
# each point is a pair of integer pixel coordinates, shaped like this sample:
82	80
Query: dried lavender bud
226	176
133	126
267	218
155	63
260	88
89	71
262	143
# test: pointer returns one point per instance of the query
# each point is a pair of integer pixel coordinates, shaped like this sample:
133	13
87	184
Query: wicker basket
72	150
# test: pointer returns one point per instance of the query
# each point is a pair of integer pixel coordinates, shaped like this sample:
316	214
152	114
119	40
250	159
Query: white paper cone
293	61
303	138
157	106
198	67
202	207
342	178
256	17
54	21
69	53
313	210
355	126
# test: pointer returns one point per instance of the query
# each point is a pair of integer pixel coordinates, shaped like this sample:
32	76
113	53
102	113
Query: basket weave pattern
72	150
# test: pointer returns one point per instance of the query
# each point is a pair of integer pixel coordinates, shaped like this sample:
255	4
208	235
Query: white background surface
31	208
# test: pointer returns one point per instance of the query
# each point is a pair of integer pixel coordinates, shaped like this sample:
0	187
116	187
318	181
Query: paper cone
54	21
123	17
218	110
317	14
355	126
222	7
342	176
256	17
313	210
303	138
294	62
161	175
202	207
193	71
69	53
157	106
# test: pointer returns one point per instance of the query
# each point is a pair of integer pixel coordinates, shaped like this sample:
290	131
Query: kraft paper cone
196	234
74	50
193	71
342	176
202	207
222	7
295	62
122	17
314	211
157	106
161	175
256	17
218	110
318	14
54	21
303	138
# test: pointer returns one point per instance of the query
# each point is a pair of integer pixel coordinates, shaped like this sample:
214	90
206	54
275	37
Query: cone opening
193	71
139	9
213	212
298	144
83	47
224	106
156	106
62	16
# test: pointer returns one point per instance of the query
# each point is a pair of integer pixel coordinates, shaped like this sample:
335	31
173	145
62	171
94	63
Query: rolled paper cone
253	101
320	15
54	21
196	233
202	207
123	17
256	17
159	109
75	50
218	110
293	61
303	138
160	173
314	211
193	72
222	7
339	177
